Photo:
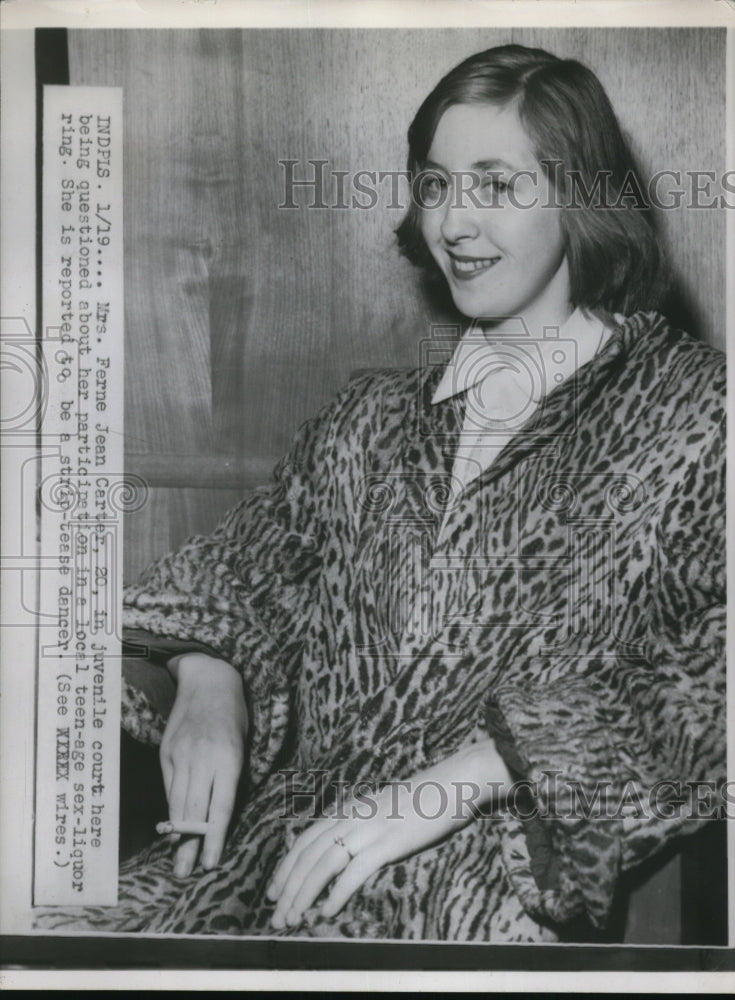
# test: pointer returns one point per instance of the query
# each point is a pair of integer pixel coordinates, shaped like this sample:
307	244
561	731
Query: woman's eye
495	184
432	189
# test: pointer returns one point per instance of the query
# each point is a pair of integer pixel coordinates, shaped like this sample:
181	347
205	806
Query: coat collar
437	425
514	355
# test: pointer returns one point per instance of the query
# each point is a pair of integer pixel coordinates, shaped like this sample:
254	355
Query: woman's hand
401	819
202	752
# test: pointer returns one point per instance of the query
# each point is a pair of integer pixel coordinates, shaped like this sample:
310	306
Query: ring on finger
340	843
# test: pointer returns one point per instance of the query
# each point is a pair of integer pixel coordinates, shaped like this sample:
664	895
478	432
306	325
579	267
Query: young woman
470	641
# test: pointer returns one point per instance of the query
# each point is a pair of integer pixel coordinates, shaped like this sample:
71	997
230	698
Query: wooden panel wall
243	318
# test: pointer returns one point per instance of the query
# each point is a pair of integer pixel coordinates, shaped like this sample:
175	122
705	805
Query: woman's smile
465	268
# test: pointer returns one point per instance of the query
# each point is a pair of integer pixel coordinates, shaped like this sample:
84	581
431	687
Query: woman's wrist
193	667
476	774
485	769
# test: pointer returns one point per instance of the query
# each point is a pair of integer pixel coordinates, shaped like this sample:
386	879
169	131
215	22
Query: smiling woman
460	666
499	258
537	136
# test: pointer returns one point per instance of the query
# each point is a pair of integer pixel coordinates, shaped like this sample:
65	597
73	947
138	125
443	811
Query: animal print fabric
572	606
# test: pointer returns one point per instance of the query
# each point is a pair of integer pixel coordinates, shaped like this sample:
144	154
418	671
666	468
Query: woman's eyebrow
431	165
494	164
480	166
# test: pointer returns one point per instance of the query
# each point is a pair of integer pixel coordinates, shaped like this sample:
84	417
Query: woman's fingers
287	864
194	794
221	805
311	866
357	872
167	773
315	867
195	808
176	789
323	860
331	862
305	853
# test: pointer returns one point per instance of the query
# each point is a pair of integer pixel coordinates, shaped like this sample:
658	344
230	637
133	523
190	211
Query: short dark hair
615	260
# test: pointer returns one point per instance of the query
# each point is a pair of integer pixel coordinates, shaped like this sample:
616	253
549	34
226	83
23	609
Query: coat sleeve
629	753
241	593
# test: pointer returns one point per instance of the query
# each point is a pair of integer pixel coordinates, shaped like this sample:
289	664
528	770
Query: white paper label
82	496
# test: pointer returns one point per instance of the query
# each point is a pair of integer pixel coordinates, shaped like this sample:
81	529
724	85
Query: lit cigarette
173	826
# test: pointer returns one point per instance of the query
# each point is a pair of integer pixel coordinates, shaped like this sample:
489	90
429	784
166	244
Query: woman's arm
225	615
202	752
617	752
403	818
241	594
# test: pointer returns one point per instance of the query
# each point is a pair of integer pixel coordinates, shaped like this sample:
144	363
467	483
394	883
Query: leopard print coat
572	606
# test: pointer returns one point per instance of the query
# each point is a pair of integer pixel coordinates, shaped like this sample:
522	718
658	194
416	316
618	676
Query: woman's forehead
473	135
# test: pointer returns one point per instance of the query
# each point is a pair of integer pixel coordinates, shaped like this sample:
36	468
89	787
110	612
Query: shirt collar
481	354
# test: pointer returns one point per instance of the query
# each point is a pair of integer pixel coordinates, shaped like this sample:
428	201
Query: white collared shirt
506	376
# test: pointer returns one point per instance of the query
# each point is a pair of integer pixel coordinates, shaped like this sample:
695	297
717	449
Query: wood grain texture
171	515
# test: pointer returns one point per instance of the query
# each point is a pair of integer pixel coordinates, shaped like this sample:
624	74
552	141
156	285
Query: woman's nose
459	219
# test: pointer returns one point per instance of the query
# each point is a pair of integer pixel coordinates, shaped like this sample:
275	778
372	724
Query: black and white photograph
376	497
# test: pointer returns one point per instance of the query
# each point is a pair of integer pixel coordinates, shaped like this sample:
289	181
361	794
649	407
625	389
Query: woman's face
499	259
